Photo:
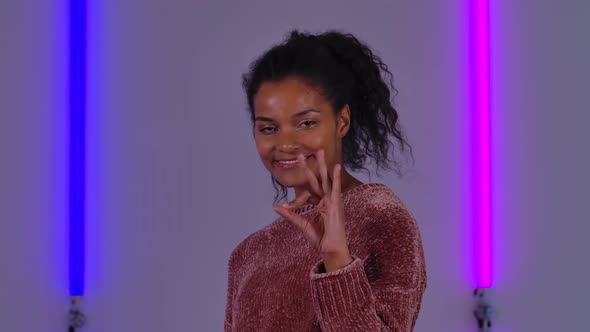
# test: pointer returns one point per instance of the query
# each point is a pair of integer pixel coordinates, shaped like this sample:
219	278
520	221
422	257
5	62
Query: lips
294	159
288	165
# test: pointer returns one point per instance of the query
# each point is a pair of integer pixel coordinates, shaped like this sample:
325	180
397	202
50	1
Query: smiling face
292	117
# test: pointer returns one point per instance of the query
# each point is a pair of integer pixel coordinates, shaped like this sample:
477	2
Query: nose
287	142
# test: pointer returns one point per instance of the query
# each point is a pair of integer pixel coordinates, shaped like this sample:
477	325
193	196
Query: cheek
263	146
317	141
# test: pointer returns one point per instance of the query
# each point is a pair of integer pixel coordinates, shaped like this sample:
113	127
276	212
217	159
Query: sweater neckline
345	195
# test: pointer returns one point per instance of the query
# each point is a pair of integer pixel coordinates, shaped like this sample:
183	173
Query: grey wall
174	180
541	82
33	166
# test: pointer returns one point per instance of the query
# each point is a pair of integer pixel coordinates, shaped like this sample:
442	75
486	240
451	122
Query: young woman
344	255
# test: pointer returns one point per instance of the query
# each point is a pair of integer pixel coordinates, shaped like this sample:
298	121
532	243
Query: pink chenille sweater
275	279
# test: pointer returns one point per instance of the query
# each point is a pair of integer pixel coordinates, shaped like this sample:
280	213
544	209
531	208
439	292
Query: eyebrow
263	118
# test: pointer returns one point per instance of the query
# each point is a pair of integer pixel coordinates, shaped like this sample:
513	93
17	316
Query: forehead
287	96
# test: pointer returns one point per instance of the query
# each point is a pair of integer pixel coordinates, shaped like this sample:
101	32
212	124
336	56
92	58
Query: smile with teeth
289	163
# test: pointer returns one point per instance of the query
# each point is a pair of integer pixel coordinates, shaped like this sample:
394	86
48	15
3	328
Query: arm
227	323
381	293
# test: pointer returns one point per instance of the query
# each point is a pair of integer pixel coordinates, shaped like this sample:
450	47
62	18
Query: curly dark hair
345	71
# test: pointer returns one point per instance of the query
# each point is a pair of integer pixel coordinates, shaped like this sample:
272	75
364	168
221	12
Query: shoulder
246	248
377	213
377	203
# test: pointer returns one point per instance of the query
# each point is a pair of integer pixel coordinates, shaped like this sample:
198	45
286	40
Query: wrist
338	262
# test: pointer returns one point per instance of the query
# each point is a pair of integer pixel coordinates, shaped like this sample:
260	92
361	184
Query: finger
336	190
313	181
298	201
324	172
300	222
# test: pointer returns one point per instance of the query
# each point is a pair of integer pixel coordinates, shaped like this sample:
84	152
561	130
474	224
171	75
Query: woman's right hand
305	197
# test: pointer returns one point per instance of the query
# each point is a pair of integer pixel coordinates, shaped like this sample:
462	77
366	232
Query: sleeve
227	323
382	292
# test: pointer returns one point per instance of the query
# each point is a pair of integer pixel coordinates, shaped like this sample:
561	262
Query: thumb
301	223
298	201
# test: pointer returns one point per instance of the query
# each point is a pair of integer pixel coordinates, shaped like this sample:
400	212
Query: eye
265	129
311	123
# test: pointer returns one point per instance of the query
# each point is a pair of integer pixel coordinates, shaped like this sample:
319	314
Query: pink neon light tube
481	189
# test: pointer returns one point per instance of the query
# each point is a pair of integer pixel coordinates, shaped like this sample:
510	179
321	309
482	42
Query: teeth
290	161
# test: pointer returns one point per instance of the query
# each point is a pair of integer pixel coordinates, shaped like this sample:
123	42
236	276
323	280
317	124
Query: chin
289	181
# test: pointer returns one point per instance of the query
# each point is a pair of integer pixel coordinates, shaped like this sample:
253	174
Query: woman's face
292	117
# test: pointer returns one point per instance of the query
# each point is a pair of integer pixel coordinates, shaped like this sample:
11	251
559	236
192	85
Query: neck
347	182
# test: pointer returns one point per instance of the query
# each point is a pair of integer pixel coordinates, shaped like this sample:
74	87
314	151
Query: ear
343	121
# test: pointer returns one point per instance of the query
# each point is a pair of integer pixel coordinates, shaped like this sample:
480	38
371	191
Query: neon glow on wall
77	87
480	137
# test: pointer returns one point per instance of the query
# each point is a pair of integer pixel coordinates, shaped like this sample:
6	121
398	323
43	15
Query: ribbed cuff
342	298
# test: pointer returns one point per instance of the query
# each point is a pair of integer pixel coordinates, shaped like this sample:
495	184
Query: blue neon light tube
77	108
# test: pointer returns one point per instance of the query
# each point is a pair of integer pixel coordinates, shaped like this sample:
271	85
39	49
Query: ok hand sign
329	234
